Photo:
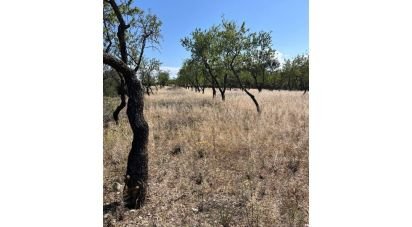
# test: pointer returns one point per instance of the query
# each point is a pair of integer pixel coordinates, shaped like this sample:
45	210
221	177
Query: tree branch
120	31
117	64
107	38
211	74
140	54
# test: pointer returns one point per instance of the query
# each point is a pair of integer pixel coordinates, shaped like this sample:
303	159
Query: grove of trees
223	57
228	55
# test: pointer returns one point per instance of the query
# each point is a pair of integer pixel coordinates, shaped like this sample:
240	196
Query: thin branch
141	54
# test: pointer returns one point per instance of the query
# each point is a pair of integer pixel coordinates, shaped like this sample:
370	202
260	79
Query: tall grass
215	163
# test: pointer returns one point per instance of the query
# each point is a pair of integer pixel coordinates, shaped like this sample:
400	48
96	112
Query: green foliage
143	31
163	78
111	83
295	73
223	51
147	71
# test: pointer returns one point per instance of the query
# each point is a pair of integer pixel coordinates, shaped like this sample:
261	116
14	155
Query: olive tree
206	48
260	57
147	73
127	32
163	78
235	43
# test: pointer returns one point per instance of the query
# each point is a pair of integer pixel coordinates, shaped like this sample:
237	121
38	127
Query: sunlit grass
213	162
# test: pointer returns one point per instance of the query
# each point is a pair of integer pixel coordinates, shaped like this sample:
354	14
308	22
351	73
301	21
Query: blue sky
287	19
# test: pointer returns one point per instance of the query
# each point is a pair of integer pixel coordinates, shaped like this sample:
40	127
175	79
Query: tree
301	63
111	83
193	74
235	43
147	70
206	48
260	57
294	74
232	56
132	36
163	78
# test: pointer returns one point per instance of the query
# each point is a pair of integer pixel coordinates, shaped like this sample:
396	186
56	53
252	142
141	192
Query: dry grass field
214	163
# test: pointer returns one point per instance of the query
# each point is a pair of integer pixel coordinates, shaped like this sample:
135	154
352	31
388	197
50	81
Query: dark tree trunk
253	99
197	84
214	81
259	88
244	89
134	193
121	92
137	164
222	93
203	86
213	89
257	84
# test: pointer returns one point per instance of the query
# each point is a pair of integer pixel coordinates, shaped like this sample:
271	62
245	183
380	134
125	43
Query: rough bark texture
137	163
134	193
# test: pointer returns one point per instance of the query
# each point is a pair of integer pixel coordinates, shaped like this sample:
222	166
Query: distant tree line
294	75
149	75
228	55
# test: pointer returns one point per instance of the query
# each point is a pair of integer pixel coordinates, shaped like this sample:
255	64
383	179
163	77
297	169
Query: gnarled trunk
137	163
134	193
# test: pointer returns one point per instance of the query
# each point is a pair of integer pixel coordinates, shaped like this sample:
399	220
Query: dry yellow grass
215	163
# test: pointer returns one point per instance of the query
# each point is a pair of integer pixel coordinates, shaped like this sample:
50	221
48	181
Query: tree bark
134	193
137	163
122	98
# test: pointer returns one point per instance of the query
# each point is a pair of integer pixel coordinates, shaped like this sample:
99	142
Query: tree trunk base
134	193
